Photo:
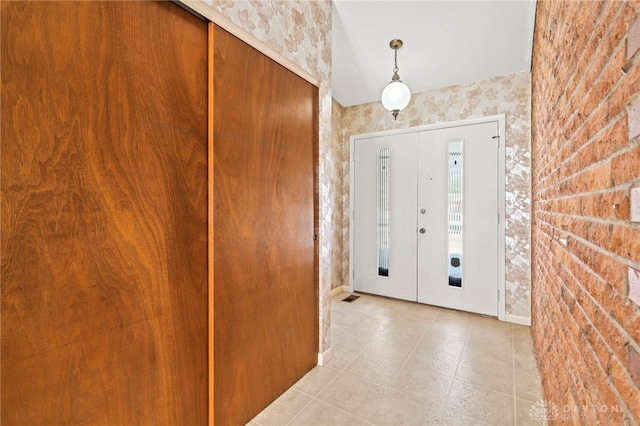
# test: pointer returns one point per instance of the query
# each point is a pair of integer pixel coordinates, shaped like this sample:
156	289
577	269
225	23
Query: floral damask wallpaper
338	254
509	95
301	32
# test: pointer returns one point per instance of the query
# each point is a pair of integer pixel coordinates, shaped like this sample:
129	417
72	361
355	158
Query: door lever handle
422	230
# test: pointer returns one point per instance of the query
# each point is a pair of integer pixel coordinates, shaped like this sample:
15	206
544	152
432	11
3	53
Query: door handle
422	230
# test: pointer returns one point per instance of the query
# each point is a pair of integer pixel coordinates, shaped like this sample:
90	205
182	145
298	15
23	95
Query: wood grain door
104	214
265	297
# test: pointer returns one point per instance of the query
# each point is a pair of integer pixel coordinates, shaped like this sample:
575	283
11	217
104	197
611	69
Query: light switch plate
635	204
634	286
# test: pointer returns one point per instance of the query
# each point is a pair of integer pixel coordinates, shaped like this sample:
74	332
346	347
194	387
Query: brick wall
586	240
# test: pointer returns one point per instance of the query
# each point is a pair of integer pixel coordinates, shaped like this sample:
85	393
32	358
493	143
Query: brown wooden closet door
104	214
266	310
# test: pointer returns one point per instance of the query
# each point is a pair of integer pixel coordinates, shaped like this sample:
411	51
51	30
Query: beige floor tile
522	341
357	336
483	331
397	332
397	349
486	353
376	404
315	380
351	394
443	360
379	315
283	409
528	387
320	414
527	415
343	319
450	316
454	329
387	301
490	376
378	366
481	404
396	409
491	324
430	386
422	316
496	342
396	340
492	342
445	337
342	356
525	363
422	307
457	419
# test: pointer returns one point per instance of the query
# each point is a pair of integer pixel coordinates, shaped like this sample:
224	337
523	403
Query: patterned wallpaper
339	153
301	32
509	95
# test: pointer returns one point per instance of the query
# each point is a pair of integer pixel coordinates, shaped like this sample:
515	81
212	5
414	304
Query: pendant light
396	96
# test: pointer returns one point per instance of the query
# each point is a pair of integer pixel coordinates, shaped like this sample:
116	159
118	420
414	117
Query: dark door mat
351	298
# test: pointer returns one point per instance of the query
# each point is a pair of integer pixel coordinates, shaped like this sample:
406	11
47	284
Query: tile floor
403	363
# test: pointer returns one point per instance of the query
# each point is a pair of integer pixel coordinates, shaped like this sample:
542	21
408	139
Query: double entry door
426	218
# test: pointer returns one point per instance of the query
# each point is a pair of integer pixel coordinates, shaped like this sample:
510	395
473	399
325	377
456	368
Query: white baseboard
516	319
339	289
325	357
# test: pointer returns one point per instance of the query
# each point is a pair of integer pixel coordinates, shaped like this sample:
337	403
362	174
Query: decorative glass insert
455	217
383	212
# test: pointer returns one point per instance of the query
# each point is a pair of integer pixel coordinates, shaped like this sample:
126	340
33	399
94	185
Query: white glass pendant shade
396	96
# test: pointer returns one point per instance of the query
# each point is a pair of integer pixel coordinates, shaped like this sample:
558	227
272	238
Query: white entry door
458	218
426	216
385	222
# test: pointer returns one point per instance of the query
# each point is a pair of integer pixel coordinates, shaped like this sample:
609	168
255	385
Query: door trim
500	119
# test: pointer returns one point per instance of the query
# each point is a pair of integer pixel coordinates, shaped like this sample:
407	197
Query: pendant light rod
395	44
396	96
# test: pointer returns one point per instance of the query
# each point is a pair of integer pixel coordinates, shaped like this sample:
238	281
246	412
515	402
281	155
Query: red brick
600	177
599	233
613	139
610	270
626	167
613	205
625	242
627	315
625	386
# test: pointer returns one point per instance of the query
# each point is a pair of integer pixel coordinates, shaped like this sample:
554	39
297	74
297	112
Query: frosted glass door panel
455	203
383	212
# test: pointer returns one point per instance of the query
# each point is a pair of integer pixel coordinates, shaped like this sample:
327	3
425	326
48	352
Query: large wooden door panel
104	214
266	315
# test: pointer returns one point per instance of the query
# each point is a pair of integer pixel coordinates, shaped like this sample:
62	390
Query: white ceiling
446	43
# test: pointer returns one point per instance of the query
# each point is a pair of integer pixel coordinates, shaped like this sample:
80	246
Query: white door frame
500	297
